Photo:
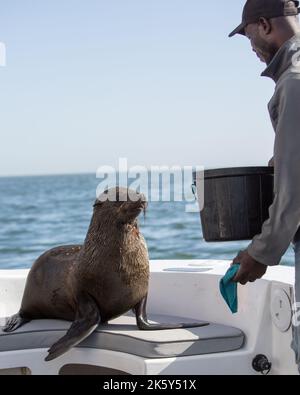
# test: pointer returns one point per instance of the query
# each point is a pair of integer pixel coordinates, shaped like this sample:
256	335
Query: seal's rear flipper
86	321
144	325
15	322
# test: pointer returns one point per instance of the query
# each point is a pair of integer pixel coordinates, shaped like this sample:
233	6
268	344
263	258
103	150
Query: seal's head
121	204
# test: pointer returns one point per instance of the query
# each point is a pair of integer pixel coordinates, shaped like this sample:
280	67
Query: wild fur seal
94	283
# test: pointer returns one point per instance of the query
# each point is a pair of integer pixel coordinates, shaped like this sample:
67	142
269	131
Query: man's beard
266	52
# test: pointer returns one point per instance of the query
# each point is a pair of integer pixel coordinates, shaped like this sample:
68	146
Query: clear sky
156	81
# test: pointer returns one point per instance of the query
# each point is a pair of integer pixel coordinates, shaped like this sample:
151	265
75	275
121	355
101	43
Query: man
273	29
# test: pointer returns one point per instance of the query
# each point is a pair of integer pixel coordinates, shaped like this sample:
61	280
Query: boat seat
122	335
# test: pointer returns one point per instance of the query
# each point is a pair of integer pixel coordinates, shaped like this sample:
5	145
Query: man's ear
264	25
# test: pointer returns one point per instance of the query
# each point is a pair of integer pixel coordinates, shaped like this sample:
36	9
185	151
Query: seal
96	282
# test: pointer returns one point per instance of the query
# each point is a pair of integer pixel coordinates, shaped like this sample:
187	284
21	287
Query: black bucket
236	202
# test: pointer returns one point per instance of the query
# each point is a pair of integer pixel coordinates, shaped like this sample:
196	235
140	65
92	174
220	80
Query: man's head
269	24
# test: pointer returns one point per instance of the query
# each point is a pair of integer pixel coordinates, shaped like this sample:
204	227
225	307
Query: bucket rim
235	172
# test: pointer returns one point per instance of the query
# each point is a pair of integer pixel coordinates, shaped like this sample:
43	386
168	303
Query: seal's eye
98	204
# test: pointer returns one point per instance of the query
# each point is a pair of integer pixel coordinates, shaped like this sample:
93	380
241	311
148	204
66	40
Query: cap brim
239	30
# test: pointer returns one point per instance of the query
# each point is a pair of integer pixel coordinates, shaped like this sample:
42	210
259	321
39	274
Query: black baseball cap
255	9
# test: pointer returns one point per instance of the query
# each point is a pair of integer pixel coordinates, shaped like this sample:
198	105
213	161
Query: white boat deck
184	289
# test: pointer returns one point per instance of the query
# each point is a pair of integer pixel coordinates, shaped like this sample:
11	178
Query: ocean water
38	213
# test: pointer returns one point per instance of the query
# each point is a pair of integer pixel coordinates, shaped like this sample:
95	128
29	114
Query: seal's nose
141	202
138	205
143	198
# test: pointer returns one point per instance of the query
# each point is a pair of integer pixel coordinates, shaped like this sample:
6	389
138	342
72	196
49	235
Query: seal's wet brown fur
112	266
94	283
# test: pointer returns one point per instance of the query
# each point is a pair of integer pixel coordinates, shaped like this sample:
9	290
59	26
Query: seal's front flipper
144	325
14	322
86	321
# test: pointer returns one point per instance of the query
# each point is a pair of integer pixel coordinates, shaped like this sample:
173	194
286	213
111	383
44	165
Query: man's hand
250	269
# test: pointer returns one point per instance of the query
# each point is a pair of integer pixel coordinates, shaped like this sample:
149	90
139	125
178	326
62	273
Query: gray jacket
284	224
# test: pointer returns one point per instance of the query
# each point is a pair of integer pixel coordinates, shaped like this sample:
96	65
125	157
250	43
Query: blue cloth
228	289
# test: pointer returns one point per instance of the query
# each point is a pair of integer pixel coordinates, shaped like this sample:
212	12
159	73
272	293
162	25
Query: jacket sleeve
278	232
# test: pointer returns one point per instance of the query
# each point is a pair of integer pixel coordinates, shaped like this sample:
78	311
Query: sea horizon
40	212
